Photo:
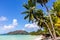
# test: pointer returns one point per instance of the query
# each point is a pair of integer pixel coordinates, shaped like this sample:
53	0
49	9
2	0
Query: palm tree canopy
56	7
32	3
42	2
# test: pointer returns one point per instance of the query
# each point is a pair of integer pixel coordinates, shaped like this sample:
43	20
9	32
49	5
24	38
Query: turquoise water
17	37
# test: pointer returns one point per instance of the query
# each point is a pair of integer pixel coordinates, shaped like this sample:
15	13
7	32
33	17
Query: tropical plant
29	12
43	2
37	15
56	9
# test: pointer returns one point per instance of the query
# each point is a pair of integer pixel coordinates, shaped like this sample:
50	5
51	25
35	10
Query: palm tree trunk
54	34
49	29
53	30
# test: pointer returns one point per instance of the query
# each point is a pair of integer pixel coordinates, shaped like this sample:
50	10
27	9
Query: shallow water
17	37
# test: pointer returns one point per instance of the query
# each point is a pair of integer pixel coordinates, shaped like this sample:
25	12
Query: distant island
17	32
23	32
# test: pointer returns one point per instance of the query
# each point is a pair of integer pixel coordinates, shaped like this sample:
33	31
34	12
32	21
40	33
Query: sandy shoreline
40	38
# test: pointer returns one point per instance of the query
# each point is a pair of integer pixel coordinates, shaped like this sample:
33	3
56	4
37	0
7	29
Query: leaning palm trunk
48	29
53	30
54	34
46	26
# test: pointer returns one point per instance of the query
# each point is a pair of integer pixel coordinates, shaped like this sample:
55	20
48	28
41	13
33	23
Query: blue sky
11	18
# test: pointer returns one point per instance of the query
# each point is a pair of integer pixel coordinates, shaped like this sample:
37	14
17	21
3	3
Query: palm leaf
42	2
31	3
26	16
26	6
26	12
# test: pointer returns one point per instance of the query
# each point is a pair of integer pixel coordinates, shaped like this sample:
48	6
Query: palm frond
25	12
32	3
42	2
26	16
26	6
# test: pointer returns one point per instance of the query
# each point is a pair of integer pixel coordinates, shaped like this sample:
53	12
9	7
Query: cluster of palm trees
37	15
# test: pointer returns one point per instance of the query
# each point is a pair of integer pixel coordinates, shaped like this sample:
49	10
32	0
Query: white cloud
11	26
15	22
33	25
2	18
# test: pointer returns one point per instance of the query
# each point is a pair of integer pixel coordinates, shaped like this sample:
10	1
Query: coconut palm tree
56	9
43	2
29	12
37	15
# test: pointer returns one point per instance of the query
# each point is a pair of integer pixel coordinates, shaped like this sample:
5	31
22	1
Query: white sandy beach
39	37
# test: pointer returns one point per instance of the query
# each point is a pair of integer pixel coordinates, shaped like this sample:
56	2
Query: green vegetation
39	32
50	22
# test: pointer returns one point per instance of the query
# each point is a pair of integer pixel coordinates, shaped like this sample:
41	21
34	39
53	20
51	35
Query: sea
17	37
